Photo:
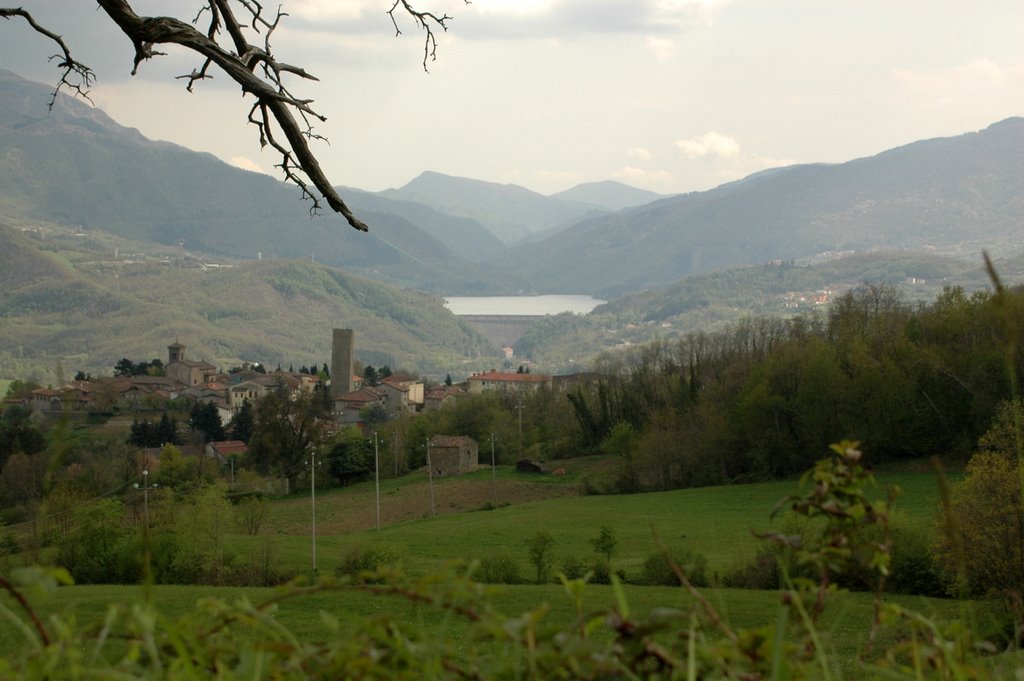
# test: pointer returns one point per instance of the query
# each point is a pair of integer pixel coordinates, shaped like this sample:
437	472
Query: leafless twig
427	21
76	76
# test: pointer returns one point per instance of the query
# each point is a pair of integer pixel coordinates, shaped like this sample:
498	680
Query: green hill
713	300
68	298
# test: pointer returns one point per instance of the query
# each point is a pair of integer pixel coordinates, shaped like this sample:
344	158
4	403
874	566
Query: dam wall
501	330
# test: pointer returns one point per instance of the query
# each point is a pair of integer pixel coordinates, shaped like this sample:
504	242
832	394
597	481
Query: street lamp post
145	494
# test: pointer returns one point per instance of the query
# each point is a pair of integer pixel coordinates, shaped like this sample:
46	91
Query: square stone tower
343	344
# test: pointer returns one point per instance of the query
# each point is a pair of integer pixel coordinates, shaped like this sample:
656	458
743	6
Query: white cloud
545	18
643	177
331	10
708	145
515	7
688	12
662	48
639	153
246	163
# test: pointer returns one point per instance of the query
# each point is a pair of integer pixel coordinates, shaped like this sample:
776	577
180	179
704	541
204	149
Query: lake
521	305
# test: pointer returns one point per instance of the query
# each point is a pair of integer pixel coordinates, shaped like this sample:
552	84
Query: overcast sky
667	95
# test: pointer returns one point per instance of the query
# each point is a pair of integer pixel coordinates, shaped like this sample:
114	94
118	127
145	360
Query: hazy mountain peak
509	211
608	194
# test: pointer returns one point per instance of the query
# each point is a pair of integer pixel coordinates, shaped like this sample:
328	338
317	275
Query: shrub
362	562
914	570
601	573
760	572
656	570
773	562
500	568
572	567
539	547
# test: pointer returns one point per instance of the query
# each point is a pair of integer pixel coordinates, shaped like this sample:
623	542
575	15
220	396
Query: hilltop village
184	385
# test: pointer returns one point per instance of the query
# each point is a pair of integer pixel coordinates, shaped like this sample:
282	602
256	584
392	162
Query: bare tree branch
76	77
428	21
283	120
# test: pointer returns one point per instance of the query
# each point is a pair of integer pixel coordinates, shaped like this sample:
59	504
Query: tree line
765	397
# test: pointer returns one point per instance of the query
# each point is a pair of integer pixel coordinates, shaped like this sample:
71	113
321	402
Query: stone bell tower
175	352
343	343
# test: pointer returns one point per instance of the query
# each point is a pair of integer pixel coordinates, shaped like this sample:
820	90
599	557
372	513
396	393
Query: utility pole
520	423
430	478
376	473
494	481
145	495
312	497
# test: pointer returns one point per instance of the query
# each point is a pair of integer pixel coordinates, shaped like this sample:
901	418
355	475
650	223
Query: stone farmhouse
452	454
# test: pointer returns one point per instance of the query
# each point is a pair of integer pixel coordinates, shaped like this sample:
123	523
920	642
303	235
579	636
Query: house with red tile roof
506	381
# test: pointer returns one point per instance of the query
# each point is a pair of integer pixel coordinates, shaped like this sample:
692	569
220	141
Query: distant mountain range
513	213
955	195
461	236
75	167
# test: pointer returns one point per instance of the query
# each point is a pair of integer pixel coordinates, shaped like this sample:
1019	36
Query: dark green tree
605	543
285	433
124	367
350	458
243	422
168	431
373	416
18	434
21	389
540	549
205	418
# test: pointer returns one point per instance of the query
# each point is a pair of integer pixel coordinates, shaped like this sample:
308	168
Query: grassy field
843	630
715	521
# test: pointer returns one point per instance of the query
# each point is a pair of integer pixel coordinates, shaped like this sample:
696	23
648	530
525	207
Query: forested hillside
70	300
766	396
782	289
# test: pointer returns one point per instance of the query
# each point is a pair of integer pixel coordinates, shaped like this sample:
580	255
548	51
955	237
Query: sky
666	95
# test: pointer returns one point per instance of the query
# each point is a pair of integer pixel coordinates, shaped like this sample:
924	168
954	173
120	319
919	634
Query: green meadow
716	521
